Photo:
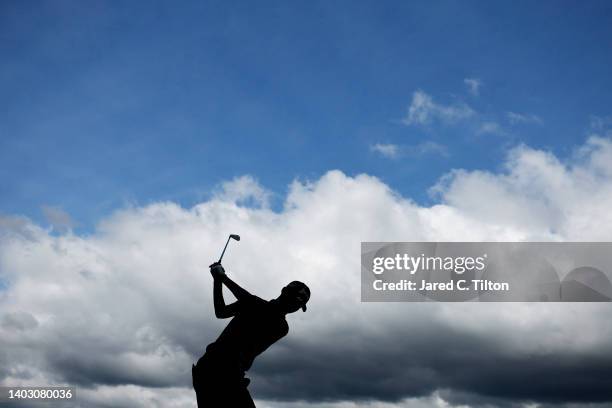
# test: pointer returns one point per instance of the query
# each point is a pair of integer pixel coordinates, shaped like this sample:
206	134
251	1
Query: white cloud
539	190
393	151
424	110
388	150
131	303
489	127
523	118
245	190
473	85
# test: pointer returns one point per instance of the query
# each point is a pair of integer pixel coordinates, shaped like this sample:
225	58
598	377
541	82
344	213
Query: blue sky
107	104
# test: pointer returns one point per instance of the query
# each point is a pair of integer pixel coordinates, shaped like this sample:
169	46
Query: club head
235	236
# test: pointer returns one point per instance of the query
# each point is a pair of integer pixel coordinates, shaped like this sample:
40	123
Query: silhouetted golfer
218	377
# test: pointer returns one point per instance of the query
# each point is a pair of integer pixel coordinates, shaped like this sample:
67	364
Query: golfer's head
295	296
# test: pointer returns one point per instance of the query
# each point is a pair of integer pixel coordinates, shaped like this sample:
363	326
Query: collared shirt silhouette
218	377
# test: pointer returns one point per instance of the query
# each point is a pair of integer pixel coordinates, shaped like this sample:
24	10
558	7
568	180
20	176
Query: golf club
232	236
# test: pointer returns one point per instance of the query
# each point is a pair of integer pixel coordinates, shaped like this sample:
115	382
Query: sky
108	105
134	137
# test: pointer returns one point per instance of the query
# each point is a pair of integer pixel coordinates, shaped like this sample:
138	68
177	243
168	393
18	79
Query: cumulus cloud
423	110
123	312
244	190
473	85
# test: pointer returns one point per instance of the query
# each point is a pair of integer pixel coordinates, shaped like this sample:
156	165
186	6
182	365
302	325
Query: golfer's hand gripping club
217	271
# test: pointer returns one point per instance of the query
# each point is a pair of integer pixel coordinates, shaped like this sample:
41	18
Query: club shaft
224	248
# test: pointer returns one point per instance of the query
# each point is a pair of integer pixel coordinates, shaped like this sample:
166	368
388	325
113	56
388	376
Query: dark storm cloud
416	362
459	398
88	370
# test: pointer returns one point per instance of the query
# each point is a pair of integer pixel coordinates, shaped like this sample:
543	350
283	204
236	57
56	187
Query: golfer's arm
236	290
222	311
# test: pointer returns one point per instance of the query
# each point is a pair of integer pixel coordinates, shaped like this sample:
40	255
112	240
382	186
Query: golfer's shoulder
254	301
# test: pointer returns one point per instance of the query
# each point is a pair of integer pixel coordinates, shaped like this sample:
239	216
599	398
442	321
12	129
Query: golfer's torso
257	325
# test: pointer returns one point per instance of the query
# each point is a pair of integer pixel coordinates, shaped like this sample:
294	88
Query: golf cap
301	290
